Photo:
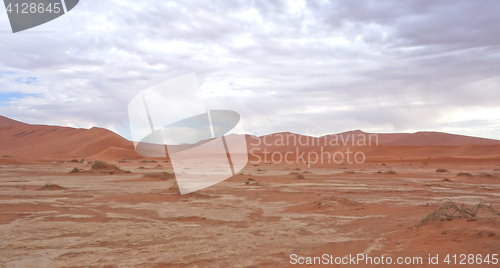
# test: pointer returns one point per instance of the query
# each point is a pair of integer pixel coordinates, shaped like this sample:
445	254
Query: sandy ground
257	219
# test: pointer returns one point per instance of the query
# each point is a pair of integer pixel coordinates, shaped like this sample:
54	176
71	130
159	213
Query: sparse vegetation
7	155
450	210
391	172
484	174
50	186
148	161
300	177
103	165
350	172
161	175
74	170
442	170
463	174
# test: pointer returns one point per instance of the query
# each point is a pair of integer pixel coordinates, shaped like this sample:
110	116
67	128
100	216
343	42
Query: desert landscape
83	198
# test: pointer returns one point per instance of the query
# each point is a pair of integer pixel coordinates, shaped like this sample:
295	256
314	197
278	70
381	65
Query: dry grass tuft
484	174
463	174
300	177
101	165
442	170
391	172
74	170
50	186
450	210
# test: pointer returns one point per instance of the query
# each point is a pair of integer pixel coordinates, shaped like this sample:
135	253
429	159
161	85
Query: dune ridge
51	143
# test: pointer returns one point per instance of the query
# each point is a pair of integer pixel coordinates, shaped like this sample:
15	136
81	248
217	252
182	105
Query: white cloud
283	65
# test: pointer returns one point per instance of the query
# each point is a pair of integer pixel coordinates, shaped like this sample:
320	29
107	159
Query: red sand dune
50	143
7	122
60	143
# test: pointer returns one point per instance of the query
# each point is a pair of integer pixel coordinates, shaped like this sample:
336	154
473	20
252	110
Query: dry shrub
74	170
447	180
442	170
300	177
161	175
391	172
463	174
103	165
484	174
50	186
450	210
350	172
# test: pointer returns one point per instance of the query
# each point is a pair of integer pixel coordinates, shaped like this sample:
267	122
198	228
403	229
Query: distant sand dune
48	143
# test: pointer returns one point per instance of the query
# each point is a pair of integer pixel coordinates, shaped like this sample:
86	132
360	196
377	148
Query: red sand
254	219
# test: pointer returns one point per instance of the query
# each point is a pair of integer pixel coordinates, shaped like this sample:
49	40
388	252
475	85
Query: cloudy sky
314	67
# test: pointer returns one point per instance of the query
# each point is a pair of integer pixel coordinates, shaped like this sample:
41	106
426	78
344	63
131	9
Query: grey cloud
332	66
